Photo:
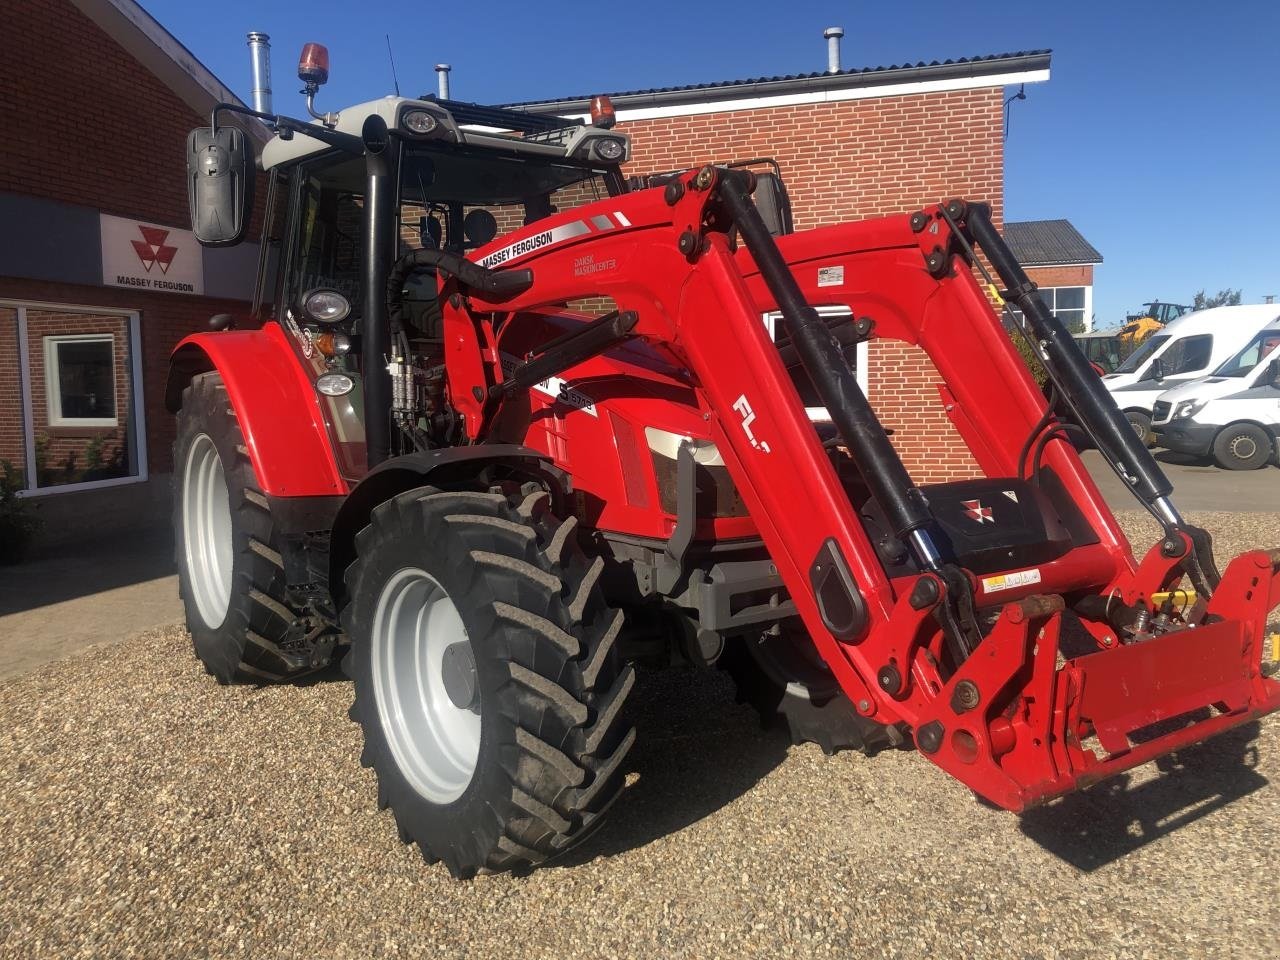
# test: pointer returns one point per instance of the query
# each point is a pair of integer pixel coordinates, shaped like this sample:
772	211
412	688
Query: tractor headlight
334	384
1188	408
715	494
609	148
419	122
323	305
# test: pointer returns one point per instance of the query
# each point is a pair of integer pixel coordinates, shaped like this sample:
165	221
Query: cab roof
471	125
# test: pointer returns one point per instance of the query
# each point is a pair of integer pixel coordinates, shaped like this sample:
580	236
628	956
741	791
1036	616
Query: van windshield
1140	356
1253	354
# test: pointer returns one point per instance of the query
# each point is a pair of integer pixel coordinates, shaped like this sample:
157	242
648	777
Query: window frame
53	381
137	411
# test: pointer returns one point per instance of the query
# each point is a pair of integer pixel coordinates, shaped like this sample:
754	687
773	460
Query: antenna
391	57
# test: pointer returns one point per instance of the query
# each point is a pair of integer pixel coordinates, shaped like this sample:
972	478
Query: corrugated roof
760	86
1045	242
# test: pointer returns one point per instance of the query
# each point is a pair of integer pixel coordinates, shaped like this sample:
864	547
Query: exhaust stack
833	35
260	64
442	80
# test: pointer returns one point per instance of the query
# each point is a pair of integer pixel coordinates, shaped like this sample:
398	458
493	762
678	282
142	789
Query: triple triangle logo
152	249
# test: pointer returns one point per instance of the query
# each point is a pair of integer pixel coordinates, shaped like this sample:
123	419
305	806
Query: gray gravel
147	812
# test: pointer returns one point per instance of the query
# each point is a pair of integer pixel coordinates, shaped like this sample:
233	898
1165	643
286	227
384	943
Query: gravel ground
147	812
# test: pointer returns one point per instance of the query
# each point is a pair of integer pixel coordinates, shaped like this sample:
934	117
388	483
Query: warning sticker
831	276
1007	581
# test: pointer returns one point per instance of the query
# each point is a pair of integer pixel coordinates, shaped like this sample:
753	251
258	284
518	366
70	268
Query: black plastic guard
840	602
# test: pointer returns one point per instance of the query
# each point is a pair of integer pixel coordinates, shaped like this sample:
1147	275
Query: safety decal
1007	581
831	276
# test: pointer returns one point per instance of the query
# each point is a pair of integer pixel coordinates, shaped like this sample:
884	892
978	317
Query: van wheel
1242	446
230	572
1141	424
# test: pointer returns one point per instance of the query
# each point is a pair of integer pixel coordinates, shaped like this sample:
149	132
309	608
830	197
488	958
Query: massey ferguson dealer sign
150	257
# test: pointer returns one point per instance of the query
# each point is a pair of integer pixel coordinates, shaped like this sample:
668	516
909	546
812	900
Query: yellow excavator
1153	316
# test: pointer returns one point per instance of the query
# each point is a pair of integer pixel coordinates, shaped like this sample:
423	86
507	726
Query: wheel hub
1244	447
425	685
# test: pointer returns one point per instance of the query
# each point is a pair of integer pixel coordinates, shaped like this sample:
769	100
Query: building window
1068	304
80	380
71	407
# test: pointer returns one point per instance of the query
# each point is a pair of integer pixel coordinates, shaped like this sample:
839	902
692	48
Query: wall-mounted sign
146	256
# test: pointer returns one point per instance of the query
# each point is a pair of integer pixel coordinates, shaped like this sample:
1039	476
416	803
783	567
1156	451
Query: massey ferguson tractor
501	428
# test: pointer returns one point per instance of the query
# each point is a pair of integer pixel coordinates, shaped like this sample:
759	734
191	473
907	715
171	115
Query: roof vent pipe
833	35
442	80
260	63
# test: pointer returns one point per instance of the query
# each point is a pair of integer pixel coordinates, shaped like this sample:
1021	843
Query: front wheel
1242	446
785	679
487	682
1141	424
230	571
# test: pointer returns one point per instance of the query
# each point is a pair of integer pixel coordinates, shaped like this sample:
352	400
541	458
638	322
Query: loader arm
987	702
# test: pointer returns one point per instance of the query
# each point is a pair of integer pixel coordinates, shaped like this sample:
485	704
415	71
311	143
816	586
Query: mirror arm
343	141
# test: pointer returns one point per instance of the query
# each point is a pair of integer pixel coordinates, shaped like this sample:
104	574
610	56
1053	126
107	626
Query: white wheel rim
206	531
1244	447
434	742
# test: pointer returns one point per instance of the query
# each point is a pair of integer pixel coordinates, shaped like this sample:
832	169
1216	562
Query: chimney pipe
442	80
833	35
260	63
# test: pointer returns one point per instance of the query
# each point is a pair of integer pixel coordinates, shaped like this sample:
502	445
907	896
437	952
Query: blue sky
1158	135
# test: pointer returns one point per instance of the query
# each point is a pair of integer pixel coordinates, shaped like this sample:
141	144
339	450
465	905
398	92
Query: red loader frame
1001	715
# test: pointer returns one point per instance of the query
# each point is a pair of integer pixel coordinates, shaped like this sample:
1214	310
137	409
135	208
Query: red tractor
502	427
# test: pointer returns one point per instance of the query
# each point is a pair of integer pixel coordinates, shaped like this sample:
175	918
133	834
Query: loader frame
1002	718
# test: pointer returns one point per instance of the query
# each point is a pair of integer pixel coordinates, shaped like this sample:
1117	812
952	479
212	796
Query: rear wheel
1242	446
787	682
487	683
230	571
1141	424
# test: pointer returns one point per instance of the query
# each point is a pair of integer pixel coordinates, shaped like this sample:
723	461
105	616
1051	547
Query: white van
1234	414
1191	347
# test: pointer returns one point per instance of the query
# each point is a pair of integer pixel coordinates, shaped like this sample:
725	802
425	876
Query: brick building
851	144
1061	263
99	275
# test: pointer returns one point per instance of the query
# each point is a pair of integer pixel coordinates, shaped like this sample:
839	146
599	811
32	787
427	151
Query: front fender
279	412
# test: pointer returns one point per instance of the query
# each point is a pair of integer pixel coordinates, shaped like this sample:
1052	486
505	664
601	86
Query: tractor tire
1242	446
787	683
487	683
230	572
1141	424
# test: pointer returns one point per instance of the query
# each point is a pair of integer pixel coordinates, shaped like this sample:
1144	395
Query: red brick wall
1074	276
164	318
852	160
118	146
62	452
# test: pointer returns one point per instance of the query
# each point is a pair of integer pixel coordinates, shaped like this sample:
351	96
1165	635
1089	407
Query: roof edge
144	38
815	83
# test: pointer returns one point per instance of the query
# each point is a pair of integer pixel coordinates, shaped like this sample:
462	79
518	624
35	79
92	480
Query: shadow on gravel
1106	822
695	752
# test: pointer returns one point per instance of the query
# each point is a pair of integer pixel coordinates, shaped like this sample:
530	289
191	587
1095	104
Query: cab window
1187	355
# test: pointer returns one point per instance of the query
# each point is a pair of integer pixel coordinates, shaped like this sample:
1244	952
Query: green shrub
18	522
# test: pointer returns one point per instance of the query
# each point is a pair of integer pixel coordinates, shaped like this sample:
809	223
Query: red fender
275	402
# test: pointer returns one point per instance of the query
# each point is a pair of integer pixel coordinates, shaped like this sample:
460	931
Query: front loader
508	428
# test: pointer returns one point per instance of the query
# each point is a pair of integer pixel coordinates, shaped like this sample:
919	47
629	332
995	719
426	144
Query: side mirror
1155	371
220	179
773	203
